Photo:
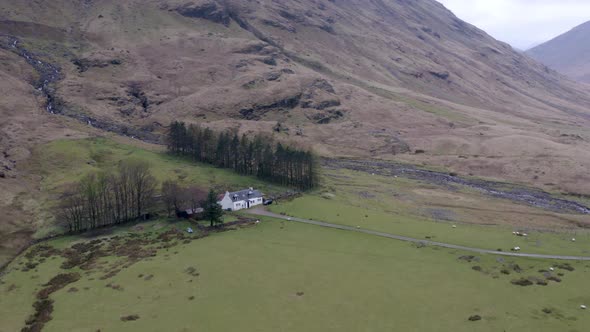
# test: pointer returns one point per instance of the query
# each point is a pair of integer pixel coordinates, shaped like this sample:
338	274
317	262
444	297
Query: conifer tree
212	211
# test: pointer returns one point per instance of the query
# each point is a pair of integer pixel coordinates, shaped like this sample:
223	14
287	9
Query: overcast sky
522	23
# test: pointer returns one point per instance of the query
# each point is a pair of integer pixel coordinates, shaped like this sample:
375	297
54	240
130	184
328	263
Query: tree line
109	197
259	156
129	193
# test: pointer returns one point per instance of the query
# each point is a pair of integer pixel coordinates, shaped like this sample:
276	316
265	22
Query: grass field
285	276
411	208
281	276
65	161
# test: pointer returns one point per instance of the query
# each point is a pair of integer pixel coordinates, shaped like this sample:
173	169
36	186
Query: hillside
568	53
371	79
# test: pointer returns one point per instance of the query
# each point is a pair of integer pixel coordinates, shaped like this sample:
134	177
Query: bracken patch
565	266
56	283
474	318
129	318
42	315
522	282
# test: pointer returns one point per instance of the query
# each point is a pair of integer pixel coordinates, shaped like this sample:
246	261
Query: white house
243	199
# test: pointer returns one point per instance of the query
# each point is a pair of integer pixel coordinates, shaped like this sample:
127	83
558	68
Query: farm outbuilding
190	213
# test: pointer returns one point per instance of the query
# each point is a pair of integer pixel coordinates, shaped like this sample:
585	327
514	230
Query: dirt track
262	212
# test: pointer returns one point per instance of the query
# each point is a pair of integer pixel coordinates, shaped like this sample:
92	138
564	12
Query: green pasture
387	204
282	276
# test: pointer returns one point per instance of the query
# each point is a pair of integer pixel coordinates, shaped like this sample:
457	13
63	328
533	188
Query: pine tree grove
259	156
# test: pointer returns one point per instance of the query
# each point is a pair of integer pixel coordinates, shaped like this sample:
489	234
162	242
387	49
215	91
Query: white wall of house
228	204
255	201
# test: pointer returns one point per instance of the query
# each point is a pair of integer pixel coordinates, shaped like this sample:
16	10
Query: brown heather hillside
370	79
568	53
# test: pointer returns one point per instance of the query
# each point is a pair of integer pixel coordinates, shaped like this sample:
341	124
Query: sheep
582	307
516	249
574	240
454	226
551	269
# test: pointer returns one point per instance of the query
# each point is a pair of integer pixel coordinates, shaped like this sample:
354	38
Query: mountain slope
568	53
364	78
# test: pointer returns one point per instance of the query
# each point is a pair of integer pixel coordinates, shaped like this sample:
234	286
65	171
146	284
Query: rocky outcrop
320	95
328	28
291	16
326	117
276	75
85	64
442	75
253	84
321	105
321	84
258	48
257	111
272	76
209	11
138	95
278	25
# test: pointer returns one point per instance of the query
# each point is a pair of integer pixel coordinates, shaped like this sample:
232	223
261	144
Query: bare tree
142	184
173	196
195	196
71	208
101	199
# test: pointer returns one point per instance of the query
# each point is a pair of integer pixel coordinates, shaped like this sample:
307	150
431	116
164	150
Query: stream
50	74
516	193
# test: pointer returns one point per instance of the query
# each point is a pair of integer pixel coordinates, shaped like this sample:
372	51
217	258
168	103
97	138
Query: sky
522	23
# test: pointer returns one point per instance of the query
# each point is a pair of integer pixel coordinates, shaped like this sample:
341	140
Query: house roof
243	195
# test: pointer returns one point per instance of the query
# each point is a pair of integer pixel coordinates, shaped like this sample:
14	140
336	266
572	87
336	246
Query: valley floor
281	275
293	277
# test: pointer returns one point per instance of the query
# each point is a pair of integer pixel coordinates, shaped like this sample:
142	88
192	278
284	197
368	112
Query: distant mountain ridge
568	53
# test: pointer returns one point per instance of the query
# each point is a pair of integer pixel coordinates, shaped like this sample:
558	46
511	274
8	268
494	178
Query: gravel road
262	212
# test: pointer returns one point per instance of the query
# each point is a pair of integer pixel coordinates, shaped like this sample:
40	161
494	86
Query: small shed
190	213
